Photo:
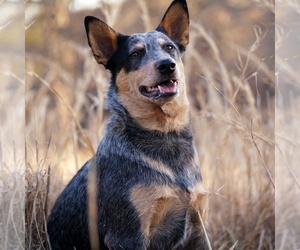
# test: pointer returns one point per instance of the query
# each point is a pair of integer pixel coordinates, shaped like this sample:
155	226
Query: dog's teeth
149	89
159	88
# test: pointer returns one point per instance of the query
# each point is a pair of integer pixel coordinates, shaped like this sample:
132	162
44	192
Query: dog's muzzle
166	88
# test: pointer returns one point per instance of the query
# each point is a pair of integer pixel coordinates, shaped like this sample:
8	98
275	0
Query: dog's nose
166	66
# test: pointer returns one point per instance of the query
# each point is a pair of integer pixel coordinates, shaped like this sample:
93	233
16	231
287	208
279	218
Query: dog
143	188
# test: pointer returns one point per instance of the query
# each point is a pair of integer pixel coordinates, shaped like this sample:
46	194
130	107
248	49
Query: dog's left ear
102	39
175	22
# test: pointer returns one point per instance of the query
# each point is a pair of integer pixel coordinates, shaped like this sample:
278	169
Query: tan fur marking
158	166
151	115
139	46
154	202
161	41
198	201
165	207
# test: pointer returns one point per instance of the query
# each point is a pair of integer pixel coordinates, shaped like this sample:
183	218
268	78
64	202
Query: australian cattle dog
143	188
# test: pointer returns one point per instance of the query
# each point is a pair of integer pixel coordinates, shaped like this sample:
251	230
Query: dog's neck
172	116
168	117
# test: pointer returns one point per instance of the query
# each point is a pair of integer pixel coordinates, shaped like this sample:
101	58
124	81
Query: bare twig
261	158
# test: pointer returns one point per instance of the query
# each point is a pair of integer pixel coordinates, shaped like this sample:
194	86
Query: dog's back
142	189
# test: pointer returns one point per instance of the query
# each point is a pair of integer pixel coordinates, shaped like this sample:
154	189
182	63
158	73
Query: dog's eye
134	54
169	47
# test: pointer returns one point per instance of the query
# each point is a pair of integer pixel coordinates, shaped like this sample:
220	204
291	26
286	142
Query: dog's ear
175	22
102	39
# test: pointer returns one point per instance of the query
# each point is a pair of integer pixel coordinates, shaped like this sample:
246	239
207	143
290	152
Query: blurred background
287	133
12	125
232	78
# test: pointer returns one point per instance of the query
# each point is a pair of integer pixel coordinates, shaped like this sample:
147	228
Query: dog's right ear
102	39
175	22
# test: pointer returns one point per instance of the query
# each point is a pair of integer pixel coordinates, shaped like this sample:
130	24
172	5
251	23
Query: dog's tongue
167	87
162	89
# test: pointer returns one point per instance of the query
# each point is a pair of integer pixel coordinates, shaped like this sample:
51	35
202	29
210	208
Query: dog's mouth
166	88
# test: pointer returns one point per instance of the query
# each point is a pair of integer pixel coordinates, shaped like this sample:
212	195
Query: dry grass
287	127
12	126
230	69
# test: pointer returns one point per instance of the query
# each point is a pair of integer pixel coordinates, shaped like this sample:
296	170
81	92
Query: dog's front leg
121	225
197	241
127	242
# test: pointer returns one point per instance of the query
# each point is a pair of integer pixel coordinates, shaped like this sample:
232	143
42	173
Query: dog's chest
166	210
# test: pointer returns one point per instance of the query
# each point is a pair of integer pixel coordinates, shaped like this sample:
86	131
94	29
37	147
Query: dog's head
146	68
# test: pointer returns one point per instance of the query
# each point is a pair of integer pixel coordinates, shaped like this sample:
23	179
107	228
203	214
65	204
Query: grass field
236	117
